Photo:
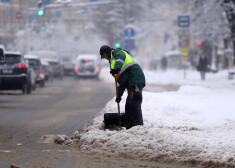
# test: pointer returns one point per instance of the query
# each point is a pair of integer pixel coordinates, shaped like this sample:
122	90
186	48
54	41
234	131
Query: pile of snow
192	125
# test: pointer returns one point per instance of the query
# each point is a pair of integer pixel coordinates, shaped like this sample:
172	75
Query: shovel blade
112	120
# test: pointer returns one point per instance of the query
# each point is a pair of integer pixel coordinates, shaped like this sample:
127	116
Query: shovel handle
118	105
118	108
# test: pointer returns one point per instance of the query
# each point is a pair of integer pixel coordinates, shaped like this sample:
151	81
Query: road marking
64	151
46	150
5	151
59	151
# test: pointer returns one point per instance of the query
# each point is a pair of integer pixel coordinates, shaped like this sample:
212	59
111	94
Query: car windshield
11	59
34	62
52	63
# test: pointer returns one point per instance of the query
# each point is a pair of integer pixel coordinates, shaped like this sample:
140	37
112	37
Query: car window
34	62
87	63
53	63
12	59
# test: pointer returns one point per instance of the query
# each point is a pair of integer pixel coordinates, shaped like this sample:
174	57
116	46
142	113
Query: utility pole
229	8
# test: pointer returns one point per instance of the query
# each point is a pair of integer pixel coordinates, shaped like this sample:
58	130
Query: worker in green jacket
128	75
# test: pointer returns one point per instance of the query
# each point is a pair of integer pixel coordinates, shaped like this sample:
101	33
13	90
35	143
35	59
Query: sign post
184	39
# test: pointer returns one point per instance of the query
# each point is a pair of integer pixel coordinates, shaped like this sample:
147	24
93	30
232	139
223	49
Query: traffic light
43	27
199	43
40	12
117	45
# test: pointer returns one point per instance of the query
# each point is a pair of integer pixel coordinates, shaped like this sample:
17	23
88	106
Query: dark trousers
133	109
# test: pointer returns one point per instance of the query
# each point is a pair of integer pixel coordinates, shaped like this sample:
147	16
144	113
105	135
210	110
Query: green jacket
131	77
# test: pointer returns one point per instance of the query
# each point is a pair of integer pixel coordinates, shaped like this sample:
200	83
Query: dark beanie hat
105	49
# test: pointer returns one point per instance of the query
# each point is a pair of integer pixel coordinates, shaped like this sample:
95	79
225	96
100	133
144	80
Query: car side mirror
2	56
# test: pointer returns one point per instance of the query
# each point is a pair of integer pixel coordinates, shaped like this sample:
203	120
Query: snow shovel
112	120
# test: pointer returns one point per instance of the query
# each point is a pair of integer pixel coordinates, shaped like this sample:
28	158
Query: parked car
47	70
35	63
57	68
68	66
15	73
87	66
32	77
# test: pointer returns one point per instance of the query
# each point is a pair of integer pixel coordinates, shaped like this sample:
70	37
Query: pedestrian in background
164	63
128	75
203	66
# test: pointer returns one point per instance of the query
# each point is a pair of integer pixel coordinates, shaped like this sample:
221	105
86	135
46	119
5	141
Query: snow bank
193	125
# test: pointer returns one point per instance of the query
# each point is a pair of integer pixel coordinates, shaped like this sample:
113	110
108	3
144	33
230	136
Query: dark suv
15	73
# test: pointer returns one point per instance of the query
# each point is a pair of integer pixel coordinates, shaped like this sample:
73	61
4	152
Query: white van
87	65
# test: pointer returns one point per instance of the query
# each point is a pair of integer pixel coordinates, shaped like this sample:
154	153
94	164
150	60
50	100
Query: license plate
7	71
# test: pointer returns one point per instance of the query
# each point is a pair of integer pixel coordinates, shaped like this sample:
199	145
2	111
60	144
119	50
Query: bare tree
229	8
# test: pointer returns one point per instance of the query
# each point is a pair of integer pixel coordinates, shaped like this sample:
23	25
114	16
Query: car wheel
29	88
24	88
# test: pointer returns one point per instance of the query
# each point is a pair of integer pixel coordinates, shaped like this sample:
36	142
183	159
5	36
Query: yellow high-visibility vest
126	63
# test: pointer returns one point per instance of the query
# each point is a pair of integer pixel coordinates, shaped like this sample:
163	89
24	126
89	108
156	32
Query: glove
115	77
118	99
114	71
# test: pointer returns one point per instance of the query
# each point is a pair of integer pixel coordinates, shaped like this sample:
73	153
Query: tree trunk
234	51
229	6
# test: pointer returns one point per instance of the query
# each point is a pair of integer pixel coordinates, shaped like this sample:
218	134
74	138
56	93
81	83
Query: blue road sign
184	21
129	32
45	2
58	13
5	1
129	44
84	10
32	16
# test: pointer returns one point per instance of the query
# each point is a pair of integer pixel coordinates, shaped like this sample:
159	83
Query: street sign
19	15
184	44
45	2
129	32
6	1
32	16
84	10
129	44
58	14
184	21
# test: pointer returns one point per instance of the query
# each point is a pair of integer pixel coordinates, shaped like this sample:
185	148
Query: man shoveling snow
128	75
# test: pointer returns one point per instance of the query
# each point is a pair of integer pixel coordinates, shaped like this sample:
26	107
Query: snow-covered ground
195	124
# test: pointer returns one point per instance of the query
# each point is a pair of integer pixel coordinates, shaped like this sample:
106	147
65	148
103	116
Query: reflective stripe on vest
129	61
